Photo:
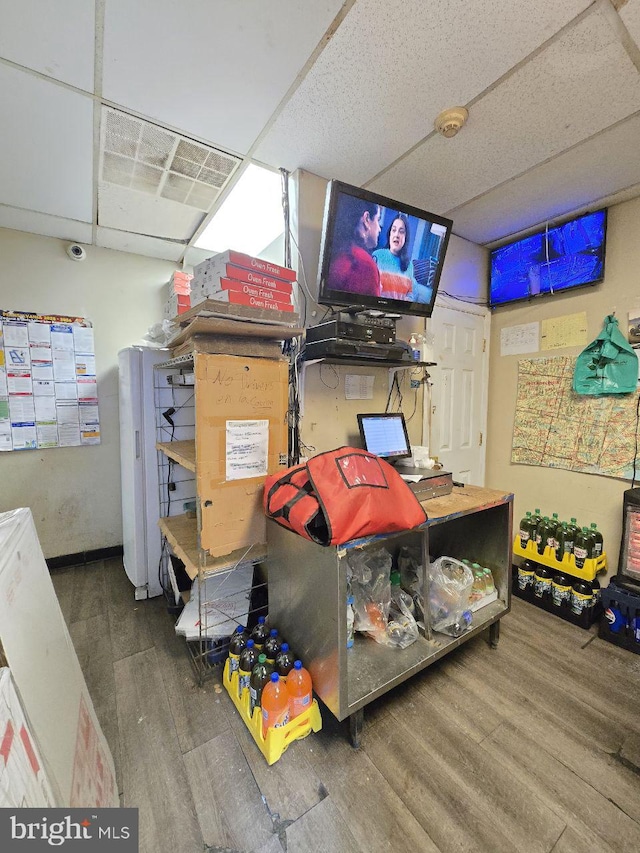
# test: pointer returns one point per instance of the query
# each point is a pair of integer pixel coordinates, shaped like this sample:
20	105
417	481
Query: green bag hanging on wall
609	365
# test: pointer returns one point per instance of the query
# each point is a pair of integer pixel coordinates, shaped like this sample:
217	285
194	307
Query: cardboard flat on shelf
226	345
47	674
245	313
209	325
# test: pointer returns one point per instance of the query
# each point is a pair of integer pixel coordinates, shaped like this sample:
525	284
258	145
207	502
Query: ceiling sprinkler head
449	122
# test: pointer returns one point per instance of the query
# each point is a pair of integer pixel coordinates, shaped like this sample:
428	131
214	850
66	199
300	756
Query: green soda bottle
598	541
526	528
583	548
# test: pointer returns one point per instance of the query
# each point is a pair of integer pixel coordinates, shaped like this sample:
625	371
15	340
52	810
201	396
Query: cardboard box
257	278
235	298
47	674
23	779
234	393
247	262
254	290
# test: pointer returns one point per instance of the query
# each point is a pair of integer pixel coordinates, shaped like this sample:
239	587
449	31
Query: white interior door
455	422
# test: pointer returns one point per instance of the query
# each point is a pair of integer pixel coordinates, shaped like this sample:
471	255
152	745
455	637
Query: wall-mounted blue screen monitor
550	261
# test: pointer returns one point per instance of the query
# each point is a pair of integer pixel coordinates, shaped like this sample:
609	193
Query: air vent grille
145	158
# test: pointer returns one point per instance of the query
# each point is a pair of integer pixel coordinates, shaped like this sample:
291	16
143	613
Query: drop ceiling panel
42	223
579	85
138	244
56	39
126	210
389	70
46	157
630	14
216	70
567	183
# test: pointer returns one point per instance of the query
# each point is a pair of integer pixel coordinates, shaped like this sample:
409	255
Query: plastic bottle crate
278	739
628	600
582	620
591	568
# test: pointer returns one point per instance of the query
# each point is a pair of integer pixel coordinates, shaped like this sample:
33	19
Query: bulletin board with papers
48	386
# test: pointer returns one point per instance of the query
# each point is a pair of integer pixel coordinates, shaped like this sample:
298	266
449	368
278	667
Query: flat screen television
550	261
379	254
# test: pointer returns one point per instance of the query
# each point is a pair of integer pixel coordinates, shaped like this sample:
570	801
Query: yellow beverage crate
278	739
591	568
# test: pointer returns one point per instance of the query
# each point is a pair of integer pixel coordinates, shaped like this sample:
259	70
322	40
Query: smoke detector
449	122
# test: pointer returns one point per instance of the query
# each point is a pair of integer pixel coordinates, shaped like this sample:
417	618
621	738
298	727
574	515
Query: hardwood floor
533	746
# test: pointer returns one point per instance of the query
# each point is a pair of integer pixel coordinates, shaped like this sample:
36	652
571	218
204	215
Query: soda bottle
565	538
275	704
598	541
581	597
284	661
555	521
636	626
260	633
573	526
300	690
536	518
457	628
525	575
479	588
545	535
272	645
260	674
561	590
595	586
583	548
248	659
350	621
542	582
616	618
525	529
488	580
237	643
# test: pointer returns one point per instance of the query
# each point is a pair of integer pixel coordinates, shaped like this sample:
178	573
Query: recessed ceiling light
250	218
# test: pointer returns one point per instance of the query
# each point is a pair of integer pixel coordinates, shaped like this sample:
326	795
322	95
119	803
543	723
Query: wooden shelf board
182	452
182	535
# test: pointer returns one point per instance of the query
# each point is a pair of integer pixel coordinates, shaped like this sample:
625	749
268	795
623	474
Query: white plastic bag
450	584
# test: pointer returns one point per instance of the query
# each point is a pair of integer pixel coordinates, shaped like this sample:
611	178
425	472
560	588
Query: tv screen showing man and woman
556	259
380	253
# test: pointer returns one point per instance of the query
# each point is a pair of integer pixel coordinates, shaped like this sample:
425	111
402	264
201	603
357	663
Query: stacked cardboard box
178	294
243	280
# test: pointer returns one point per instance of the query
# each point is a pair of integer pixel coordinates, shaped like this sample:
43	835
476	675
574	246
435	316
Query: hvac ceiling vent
140	156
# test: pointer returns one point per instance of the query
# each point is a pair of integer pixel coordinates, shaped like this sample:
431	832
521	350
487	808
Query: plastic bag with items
450	584
386	622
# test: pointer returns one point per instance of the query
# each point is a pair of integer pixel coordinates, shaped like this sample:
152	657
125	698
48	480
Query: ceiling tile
142	213
44	224
630	15
376	89
579	85
558	188
46	147
56	39
138	244
215	70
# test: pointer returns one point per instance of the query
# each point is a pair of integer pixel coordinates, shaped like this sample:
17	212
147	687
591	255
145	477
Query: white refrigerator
142	540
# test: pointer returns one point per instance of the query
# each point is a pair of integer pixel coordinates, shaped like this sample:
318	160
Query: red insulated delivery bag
341	495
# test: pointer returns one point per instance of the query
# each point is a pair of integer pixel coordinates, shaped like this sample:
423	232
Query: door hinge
480	442
484	345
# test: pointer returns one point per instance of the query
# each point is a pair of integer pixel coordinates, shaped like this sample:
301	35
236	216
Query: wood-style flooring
534	746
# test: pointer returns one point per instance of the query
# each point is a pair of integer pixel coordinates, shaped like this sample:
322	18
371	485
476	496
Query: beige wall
74	492
585	496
